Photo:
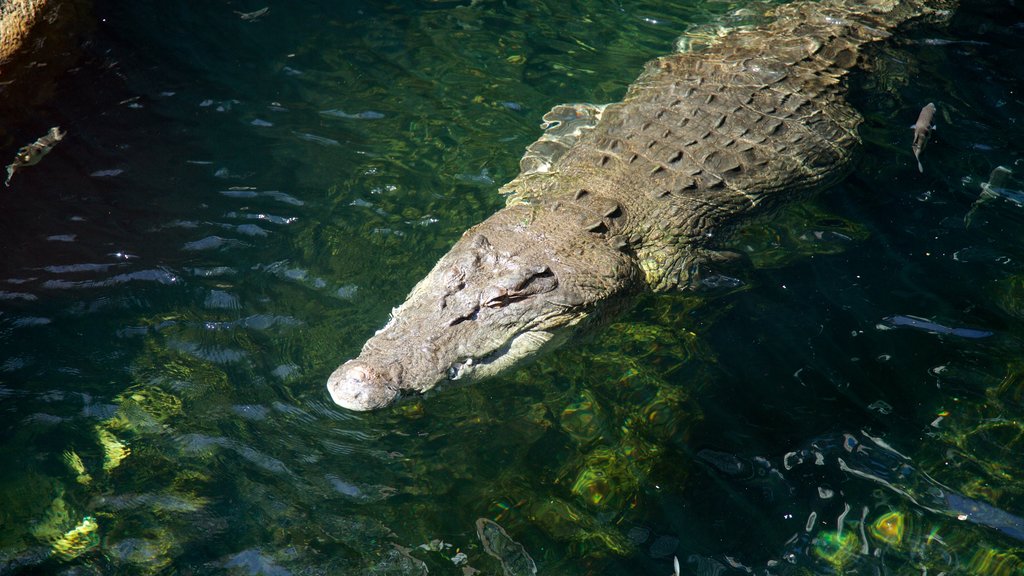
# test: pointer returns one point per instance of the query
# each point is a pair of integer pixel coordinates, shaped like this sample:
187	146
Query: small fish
675	566
993	189
31	155
254	15
926	325
945	42
922	131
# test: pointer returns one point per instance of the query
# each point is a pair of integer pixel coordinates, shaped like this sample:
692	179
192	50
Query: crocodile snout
357	386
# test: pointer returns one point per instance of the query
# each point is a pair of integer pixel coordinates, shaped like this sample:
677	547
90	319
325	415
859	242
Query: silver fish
254	15
926	325
922	131
31	154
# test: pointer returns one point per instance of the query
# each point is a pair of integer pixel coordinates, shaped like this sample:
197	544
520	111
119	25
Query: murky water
241	199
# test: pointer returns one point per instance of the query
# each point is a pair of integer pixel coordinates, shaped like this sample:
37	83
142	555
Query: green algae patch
78	540
74	463
889	528
584	420
114	450
837	549
68	536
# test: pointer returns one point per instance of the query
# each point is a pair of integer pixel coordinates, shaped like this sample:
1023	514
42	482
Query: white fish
922	131
254	15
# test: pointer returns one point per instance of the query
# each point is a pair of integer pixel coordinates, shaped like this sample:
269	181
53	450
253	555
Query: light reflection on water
239	203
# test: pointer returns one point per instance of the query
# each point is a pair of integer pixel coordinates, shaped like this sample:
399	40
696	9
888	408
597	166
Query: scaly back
703	138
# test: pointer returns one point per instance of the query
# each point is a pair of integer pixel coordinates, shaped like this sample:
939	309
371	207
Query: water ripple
219	299
272	194
215	354
74	268
4	295
213	271
254	322
210	243
273	219
31	321
201	443
157	275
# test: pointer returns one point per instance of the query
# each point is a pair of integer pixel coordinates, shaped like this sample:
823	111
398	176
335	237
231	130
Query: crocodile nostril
357	387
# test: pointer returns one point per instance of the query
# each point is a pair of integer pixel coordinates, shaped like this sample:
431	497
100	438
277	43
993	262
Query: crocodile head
504	292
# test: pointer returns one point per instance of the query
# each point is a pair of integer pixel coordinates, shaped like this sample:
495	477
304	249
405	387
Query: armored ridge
634	196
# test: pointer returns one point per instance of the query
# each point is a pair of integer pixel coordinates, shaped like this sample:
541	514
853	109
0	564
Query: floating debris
922	131
254	15
31	154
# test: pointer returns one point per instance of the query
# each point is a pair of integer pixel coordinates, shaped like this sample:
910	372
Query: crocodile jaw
359	385
503	294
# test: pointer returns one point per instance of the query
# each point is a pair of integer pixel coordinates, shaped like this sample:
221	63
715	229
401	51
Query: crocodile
635	196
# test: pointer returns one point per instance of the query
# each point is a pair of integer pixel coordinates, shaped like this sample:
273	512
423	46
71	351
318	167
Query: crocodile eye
524	284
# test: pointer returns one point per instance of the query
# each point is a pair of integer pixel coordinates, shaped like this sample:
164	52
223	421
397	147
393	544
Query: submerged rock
512	555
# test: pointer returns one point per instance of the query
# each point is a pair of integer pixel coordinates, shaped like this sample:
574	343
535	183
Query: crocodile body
635	198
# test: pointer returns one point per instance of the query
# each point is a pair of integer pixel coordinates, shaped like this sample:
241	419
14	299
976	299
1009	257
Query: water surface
241	200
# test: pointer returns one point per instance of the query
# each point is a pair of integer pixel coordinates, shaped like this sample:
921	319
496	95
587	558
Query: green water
239	203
